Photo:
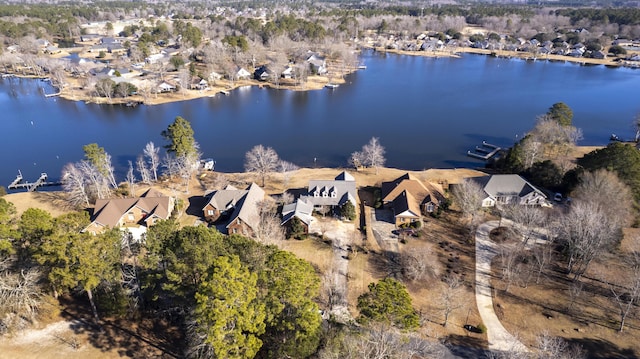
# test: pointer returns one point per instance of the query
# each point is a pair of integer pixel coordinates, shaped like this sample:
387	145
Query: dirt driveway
342	236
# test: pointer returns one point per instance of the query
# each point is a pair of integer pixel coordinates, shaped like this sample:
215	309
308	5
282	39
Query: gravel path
341	235
499	338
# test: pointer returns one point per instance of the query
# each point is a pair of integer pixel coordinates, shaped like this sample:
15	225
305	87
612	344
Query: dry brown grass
592	322
52	202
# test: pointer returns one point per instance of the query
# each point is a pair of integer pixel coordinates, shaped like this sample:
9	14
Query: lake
427	113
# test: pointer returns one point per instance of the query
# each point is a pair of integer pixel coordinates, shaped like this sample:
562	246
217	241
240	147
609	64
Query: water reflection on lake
427	113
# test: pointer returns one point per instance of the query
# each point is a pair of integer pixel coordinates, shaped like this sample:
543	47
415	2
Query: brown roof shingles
108	212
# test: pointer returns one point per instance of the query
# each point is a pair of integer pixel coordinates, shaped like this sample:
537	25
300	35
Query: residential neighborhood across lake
320	180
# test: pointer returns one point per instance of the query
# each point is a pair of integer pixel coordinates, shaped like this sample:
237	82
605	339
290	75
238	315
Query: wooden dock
47	95
484	152
19	183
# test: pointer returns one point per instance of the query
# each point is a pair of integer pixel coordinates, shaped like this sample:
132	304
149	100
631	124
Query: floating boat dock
19	183
47	95
331	85
484	152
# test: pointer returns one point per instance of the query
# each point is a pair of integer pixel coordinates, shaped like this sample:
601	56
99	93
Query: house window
430	207
316	194
210	212
234	230
334	194
130	216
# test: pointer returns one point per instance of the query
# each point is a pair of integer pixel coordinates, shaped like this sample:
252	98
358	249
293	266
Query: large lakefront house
321	195
134	215
510	189
410	199
332	193
237	208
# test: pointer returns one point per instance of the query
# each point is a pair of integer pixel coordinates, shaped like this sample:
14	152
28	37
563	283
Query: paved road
499	338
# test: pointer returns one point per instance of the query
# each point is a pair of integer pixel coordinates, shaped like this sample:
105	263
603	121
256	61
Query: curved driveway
498	337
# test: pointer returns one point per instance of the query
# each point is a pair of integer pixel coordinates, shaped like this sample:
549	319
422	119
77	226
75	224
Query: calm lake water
427	113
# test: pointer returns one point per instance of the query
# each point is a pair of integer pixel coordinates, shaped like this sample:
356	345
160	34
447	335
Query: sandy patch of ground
52	202
56	340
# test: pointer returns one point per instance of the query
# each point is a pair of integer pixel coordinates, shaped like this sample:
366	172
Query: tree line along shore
159	54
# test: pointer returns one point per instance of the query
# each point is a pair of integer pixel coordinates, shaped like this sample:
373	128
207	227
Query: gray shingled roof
226	198
331	192
506	185
247	209
300	209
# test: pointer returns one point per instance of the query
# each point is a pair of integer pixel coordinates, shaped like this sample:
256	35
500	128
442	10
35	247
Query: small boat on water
331	86
362	67
224	92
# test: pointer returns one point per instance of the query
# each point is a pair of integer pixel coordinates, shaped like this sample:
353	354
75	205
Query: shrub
482	328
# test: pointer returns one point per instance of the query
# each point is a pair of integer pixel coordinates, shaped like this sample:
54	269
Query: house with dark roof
262	73
510	189
246	217
406	210
222	203
410	198
132	214
235	210
333	193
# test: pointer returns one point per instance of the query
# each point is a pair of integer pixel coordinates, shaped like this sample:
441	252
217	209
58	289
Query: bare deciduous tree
527	219
287	169
607	192
131	180
381	341
268	229
555	138
542	254
531	151
152	154
73	183
373	153
20	296
451	298
262	160
510	256
417	265
357	159
468	195
625	288
586	232
98	184
141	166
549	346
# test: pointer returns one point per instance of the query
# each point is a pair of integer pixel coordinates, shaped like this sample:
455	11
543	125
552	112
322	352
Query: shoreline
223	87
527	56
74	92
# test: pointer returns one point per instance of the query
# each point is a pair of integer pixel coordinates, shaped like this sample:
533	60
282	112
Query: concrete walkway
498	337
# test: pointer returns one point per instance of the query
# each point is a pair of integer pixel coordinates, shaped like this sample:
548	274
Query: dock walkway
19	183
484	152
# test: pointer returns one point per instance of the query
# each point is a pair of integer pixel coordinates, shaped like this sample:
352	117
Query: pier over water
18	182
